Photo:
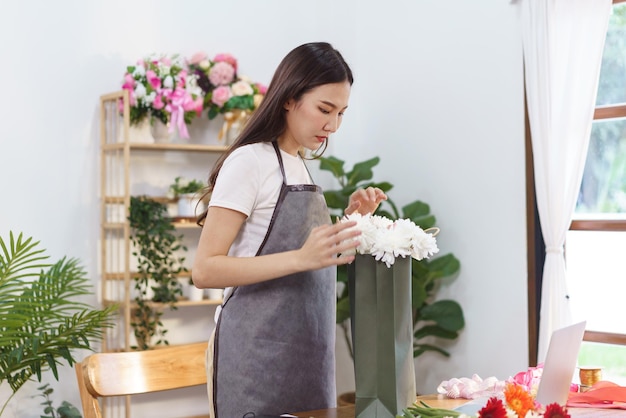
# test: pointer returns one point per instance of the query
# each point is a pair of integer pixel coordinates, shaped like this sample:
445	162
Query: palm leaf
41	319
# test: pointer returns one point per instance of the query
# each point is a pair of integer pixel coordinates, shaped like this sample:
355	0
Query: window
595	249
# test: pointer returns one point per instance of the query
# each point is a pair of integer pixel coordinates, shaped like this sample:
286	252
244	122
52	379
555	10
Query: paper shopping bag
382	334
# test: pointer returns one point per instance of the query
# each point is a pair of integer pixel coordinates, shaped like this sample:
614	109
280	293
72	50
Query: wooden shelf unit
116	274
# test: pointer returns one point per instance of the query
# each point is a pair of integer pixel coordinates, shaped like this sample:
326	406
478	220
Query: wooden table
439	401
436	401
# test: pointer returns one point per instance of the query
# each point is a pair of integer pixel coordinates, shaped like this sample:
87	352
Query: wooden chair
128	373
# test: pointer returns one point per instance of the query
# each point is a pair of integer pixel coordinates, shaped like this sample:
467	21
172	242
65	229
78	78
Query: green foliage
183	186
66	410
41	320
440	319
155	245
603	188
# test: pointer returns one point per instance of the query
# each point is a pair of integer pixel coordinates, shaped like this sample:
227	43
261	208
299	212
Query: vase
215	294
382	335
138	133
160	131
233	125
194	294
190	205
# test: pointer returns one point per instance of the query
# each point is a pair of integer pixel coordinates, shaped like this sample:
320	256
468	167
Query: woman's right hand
329	245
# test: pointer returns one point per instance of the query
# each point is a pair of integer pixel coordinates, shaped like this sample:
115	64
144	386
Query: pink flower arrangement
161	87
224	89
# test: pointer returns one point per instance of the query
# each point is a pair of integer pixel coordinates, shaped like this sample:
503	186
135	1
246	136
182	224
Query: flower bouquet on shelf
380	285
162	89
225	91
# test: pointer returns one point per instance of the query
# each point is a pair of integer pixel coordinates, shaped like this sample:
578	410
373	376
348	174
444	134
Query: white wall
438	96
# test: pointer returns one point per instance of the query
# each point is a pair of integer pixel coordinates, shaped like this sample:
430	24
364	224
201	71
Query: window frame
535	244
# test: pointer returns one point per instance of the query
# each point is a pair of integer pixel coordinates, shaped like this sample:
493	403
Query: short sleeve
237	183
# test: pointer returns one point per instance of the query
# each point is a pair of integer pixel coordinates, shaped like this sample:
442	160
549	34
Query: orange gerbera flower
518	399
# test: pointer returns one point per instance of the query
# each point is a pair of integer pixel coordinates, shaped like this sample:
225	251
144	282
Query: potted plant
66	410
431	318
187	193
42	320
154	245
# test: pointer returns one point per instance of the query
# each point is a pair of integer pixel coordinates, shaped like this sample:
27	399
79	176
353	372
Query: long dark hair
304	68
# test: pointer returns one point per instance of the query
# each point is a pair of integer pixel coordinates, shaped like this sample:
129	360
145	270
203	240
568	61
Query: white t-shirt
249	182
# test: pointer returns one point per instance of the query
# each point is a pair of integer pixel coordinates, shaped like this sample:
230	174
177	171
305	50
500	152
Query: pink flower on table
166	61
153	79
221	73
221	95
226	58
197	58
529	379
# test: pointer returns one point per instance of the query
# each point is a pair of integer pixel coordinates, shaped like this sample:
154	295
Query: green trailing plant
41	319
155	245
66	410
431	318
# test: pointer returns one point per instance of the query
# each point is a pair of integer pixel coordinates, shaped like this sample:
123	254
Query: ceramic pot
189	205
160	132
139	133
194	294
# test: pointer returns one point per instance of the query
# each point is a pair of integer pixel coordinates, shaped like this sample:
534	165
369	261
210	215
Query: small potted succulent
188	193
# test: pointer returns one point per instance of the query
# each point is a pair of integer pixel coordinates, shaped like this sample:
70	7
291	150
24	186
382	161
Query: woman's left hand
365	201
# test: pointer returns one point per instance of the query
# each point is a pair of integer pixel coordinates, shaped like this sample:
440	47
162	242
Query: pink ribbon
177	100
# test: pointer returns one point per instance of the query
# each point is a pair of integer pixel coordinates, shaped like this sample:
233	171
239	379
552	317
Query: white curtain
563	42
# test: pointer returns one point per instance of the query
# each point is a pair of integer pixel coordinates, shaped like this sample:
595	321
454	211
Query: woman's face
312	119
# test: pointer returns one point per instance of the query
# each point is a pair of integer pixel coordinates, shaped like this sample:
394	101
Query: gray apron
274	348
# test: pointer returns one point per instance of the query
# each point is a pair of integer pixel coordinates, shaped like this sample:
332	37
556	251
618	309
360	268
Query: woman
268	240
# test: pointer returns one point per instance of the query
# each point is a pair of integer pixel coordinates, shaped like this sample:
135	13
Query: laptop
560	364
558	369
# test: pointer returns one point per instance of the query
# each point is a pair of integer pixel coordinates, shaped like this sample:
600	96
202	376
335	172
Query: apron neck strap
280	161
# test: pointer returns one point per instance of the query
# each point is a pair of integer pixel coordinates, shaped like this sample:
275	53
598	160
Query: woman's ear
289	104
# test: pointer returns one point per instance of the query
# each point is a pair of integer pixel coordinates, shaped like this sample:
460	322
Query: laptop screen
560	364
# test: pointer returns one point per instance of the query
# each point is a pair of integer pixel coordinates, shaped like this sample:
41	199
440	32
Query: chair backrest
129	373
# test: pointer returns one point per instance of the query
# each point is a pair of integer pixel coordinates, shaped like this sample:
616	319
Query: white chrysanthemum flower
423	245
369	232
386	239
380	221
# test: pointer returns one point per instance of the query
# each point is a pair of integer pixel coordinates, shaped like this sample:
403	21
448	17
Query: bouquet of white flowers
386	239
